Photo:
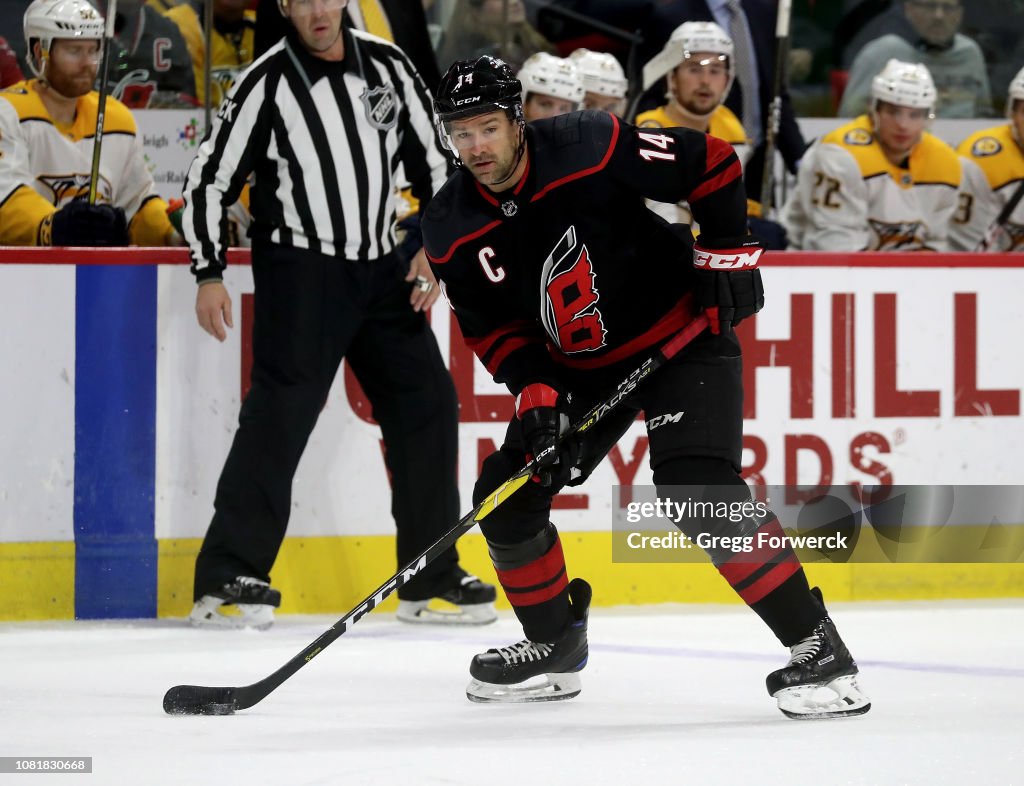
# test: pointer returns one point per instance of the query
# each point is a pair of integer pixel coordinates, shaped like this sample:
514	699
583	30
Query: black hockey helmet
475	87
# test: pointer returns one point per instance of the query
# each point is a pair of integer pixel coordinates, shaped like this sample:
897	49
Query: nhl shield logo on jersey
986	146
509	208
381	106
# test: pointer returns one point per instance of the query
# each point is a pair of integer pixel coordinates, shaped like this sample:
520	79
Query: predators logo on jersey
67	187
858	136
898	236
986	146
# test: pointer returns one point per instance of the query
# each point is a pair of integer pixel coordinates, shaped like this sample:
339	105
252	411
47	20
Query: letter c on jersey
495	274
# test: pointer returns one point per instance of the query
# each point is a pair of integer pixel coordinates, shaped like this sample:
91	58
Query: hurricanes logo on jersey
569	312
899	236
68	187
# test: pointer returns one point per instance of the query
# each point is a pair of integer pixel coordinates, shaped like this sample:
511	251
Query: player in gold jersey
47	125
993	162
881	182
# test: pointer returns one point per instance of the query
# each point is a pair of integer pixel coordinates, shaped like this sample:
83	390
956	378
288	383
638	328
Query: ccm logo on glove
726	259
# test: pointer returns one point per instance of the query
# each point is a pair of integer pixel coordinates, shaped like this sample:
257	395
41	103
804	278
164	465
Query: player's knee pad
524	513
509	556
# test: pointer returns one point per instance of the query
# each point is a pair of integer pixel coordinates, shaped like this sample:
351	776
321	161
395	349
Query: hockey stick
199	700
101	108
775	108
988	241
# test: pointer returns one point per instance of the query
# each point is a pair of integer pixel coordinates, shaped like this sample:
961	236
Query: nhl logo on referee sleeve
381	107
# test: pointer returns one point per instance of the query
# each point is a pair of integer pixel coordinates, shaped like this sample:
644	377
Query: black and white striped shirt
323	141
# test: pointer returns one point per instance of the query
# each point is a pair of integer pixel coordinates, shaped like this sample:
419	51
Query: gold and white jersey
43	166
724	125
993	164
849	197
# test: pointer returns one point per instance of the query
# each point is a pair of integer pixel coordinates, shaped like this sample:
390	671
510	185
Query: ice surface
672	695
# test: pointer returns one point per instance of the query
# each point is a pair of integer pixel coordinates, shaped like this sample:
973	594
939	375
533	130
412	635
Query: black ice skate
820	680
531	671
468	602
243	603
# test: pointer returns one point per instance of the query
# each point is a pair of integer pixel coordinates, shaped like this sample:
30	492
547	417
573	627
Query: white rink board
341	486
37	402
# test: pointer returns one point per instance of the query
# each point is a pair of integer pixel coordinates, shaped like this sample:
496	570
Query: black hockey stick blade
199	700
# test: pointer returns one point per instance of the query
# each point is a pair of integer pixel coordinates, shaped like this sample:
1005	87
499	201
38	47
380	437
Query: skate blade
420	612
545	687
840	698
210	612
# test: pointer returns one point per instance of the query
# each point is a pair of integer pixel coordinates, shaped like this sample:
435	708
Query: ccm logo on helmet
469	100
727	259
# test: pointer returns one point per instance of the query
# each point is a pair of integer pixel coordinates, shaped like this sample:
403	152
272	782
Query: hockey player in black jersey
562	281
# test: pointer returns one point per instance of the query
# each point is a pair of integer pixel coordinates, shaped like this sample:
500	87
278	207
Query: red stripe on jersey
720	180
539	571
770	581
504	351
484	192
538	596
717	151
585	172
678	317
522	180
464	239
483	344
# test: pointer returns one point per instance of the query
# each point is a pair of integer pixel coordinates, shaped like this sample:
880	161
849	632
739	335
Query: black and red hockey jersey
570	269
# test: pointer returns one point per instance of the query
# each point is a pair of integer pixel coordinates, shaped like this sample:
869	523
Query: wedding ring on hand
423	284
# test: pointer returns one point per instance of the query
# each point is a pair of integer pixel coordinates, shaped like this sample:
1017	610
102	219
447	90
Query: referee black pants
310	311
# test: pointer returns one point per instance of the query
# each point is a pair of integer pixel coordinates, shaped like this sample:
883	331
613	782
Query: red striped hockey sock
534	578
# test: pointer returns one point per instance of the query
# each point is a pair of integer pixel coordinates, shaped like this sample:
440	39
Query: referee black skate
320	124
563	283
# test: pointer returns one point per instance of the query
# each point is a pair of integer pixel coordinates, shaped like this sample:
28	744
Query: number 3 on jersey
660	141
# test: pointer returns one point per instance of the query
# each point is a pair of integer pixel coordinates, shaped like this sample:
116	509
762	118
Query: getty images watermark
822	524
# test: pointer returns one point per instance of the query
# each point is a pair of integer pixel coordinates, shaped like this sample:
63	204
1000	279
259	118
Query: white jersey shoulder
849	197
993	167
57	161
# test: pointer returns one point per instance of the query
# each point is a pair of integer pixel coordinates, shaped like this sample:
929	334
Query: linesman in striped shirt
321	122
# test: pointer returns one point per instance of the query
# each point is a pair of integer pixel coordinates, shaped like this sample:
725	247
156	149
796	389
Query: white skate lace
805	649
525	651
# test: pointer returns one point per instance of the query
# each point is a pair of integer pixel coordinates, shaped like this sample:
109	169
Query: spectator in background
604	81
882	182
954	60
551	86
45	167
993	169
232	43
478	27
9	70
754	45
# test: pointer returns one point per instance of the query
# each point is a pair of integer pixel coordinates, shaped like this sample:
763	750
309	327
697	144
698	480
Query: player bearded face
699	82
488	145
899	129
71	68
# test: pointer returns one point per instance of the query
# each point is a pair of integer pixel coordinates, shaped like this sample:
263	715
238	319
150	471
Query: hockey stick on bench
199	700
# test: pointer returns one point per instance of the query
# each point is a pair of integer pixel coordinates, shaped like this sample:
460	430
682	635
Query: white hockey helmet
601	73
551	76
688	38
46	20
1016	91
904	84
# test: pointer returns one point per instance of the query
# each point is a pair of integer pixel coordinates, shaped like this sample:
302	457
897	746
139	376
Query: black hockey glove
80	224
728	284
543	421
